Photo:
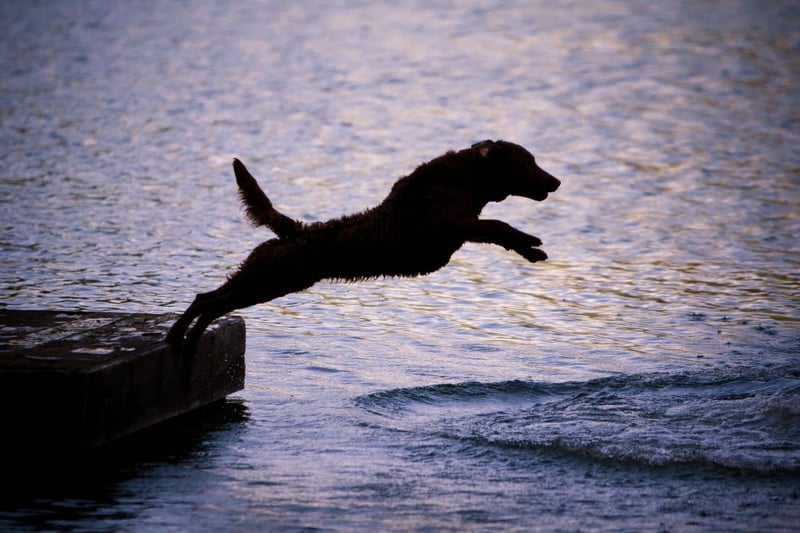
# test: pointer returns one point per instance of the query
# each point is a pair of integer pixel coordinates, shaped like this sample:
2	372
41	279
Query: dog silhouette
426	217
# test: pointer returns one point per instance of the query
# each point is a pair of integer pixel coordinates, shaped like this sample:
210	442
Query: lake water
646	377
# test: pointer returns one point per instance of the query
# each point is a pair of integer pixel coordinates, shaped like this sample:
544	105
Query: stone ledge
70	381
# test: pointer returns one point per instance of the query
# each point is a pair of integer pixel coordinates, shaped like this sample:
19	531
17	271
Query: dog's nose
547	180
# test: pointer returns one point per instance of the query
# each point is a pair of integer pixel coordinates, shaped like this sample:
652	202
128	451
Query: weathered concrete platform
70	381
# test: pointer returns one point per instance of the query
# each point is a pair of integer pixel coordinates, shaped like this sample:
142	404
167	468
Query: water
646	377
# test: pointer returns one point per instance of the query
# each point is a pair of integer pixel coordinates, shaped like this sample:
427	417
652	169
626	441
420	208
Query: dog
426	217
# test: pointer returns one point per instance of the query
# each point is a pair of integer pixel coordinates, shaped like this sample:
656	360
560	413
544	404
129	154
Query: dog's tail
258	208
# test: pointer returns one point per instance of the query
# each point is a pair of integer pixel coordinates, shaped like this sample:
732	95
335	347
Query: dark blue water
646	377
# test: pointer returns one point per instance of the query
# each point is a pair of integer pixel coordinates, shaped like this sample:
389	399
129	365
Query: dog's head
512	170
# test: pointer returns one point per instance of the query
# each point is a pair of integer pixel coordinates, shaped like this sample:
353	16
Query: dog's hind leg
273	269
210	306
201	302
207	311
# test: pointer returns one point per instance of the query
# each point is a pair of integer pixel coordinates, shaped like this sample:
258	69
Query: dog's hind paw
175	343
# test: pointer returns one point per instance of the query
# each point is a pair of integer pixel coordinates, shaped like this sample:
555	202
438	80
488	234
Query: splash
733	418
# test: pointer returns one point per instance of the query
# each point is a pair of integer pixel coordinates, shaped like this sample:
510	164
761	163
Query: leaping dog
426	217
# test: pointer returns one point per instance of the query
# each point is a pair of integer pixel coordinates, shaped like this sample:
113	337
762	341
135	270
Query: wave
740	418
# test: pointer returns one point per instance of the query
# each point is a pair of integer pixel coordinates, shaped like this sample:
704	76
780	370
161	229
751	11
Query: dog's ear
483	148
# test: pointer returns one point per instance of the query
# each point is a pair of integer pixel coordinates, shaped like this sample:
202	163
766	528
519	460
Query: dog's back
408	234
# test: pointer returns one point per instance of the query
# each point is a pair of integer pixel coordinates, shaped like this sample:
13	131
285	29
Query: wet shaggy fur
427	216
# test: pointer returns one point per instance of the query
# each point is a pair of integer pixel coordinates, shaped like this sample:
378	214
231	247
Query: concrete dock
70	381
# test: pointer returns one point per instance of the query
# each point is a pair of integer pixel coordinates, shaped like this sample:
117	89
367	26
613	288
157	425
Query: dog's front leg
503	234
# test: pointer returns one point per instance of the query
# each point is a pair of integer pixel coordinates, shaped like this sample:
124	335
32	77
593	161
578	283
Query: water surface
646	377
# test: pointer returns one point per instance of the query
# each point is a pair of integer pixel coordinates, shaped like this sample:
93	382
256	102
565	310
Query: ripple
740	419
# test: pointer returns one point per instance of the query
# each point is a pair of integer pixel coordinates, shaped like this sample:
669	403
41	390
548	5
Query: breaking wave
734	418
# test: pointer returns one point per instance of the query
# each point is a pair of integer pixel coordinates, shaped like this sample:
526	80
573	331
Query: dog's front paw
532	254
532	240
